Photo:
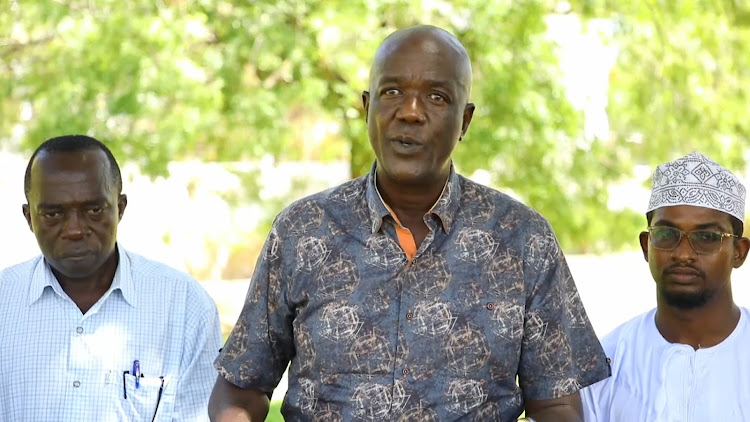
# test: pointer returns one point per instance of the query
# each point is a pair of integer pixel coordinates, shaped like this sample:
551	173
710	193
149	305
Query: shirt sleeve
261	343
560	353
197	374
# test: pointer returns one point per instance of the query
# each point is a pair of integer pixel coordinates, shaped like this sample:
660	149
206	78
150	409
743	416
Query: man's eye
391	92
706	236
95	210
665	234
437	97
52	214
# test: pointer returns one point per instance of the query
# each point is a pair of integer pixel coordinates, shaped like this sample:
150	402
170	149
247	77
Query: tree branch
6	49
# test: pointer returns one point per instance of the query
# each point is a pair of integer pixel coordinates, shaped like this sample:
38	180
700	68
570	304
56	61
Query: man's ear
366	103
122	202
27	215
643	238
741	247
468	114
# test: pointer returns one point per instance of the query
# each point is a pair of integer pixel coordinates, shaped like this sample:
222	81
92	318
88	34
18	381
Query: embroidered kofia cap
699	181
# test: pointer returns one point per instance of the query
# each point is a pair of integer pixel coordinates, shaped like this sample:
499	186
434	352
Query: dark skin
229	403
73	210
419	89
684	272
417	111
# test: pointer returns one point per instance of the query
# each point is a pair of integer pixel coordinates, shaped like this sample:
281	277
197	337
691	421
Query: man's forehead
691	213
431	55
428	75
59	170
90	159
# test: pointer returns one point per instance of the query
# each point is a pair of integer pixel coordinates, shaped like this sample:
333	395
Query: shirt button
79	330
490	306
405	371
76	384
409	315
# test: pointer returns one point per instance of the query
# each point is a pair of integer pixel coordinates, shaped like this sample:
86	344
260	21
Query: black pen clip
124	390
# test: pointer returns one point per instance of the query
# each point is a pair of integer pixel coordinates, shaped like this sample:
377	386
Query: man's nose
74	225
412	110
684	251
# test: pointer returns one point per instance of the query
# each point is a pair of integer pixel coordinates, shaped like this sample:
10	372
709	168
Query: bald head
417	108
428	40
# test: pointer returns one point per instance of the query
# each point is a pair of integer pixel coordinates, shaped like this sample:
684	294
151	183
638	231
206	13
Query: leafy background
237	80
240	81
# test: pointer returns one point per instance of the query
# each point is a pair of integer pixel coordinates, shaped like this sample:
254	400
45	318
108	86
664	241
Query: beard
686	301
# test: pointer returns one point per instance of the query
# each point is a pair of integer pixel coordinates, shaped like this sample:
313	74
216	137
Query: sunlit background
223	112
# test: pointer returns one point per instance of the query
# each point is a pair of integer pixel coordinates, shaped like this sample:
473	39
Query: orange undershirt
405	238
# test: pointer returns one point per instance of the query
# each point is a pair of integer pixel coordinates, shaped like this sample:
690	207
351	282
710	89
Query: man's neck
85	292
410	201
701	327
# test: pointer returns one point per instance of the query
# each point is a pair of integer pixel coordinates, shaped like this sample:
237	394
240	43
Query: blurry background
223	112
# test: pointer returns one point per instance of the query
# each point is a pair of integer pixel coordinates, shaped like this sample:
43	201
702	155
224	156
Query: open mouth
406	142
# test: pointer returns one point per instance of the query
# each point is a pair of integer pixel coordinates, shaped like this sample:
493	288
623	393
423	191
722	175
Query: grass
274	413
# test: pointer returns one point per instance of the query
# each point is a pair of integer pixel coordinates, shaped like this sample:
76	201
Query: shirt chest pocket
147	401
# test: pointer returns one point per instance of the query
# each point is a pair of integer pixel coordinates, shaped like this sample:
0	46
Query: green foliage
680	83
680	80
274	413
231	80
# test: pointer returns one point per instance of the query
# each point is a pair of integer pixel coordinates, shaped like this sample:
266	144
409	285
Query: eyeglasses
703	242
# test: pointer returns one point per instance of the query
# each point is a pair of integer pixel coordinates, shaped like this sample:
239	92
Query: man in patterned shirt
91	331
411	293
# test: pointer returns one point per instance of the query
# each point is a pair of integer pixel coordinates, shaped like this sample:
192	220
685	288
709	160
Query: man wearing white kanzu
688	359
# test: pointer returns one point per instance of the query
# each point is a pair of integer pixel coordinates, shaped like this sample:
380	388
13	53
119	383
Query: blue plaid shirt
57	364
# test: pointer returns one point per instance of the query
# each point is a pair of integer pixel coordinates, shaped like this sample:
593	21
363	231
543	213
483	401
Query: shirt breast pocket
142	403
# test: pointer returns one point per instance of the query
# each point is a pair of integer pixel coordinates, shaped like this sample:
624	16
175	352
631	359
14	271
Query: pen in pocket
137	372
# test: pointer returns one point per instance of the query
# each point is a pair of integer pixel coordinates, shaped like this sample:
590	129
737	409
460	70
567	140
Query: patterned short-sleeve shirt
371	336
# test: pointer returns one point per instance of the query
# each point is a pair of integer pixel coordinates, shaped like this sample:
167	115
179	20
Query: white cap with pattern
699	181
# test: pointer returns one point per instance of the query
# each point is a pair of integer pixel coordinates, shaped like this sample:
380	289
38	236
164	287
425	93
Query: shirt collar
43	277
124	278
445	208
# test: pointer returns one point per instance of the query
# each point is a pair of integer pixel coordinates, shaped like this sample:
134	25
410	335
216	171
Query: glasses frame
687	235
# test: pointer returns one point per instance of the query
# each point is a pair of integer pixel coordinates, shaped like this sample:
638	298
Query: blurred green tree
230	80
681	77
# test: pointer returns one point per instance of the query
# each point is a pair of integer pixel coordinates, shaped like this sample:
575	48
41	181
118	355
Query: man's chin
74	271
686	300
413	174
